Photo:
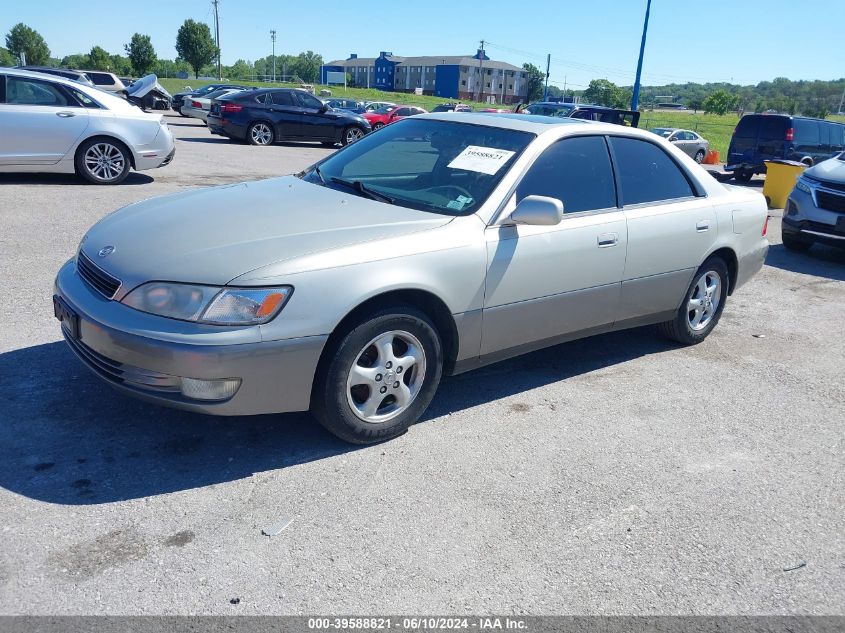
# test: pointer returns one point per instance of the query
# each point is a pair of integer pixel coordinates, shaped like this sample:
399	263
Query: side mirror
325	108
537	210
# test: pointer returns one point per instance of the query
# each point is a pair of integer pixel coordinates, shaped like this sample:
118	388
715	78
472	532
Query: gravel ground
615	475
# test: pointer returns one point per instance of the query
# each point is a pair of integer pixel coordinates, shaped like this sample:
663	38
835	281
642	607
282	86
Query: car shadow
67	438
134	178
189	123
207	139
820	261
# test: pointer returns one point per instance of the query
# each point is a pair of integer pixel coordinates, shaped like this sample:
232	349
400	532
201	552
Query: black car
604	114
178	98
263	117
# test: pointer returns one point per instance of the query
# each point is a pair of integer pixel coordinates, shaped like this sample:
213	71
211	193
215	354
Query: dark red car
389	114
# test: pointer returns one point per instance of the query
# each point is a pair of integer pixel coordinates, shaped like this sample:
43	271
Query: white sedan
50	124
198	107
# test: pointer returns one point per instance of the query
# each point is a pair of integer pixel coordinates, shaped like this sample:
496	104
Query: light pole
273	37
635	99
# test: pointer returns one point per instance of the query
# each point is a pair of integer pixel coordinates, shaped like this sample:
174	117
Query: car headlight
804	185
209	304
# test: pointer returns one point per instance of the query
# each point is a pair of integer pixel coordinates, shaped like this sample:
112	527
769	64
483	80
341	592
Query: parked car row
691	143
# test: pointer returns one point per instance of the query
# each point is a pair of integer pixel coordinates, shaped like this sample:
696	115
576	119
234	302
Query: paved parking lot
619	474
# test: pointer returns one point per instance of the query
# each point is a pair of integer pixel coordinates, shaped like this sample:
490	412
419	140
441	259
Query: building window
488	84
464	82
489	72
510	87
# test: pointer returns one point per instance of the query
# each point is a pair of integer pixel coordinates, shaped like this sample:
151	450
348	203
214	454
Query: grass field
716	129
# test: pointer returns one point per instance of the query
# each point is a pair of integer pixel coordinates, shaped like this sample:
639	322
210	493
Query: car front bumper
804	220
275	376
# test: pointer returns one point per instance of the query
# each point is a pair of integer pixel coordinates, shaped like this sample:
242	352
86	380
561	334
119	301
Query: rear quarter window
747	127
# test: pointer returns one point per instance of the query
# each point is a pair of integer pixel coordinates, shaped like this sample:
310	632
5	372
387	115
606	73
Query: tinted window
101	79
34	92
576	171
403	112
807	132
773	128
646	173
748	127
2	89
282	99
308	101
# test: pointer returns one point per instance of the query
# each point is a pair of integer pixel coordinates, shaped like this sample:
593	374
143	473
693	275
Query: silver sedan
440	244
689	142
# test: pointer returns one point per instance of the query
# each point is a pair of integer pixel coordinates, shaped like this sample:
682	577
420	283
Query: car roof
34	74
534	123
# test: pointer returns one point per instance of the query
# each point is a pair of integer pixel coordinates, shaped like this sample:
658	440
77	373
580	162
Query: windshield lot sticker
486	160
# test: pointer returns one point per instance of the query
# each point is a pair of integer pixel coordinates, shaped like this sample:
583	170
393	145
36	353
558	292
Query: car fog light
210	389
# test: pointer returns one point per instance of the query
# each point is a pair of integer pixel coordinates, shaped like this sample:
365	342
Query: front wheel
699	156
377	126
743	175
702	306
260	134
351	134
103	161
379	378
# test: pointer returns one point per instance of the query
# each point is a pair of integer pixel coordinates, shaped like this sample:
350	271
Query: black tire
794	243
377	126
743	175
680	328
260	133
699	156
351	134
117	161
332	395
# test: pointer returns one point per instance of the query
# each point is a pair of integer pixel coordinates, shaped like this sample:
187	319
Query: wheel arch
727	254
106	137
427	302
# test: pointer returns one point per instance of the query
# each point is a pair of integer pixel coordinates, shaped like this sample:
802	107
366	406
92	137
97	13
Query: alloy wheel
104	161
261	134
704	301
353	134
387	375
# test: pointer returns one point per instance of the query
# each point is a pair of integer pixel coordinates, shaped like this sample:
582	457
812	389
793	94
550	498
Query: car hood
831	170
211	236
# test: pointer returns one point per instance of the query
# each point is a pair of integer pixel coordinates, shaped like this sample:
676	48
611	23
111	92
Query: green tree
195	45
6	58
306	65
142	55
99	59
22	39
241	69
120	65
534	82
720	102
607	93
77	60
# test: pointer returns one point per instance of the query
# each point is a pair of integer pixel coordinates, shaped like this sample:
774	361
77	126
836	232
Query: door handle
65	115
608	239
702	225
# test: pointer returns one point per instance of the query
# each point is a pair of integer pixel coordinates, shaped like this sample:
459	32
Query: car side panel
39	135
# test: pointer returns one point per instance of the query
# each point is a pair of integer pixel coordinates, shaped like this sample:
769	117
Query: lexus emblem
106	251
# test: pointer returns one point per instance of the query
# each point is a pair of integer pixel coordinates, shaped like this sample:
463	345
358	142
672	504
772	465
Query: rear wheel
743	175
260	133
699	156
377	126
379	377
794	243
351	134
702	306
103	161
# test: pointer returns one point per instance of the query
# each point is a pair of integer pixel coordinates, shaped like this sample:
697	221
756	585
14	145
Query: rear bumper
225	127
275	376
750	263
158	153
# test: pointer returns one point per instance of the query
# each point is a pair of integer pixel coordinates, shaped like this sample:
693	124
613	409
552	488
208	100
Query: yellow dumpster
780	180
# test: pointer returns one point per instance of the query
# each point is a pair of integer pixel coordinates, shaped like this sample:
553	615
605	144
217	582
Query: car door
671	227
314	123
547	282
41	121
285	113
679	140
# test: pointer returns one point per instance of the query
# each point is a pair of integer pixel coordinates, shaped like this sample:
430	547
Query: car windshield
549	110
439	166
663	131
385	109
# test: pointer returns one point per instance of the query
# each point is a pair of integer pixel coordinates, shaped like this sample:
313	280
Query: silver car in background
440	244
50	124
689	142
815	210
198	107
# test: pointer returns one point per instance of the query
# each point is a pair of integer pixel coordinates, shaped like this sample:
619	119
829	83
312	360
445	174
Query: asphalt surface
616	475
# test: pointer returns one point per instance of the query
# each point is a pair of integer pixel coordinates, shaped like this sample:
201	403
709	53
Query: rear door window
773	128
576	171
647	173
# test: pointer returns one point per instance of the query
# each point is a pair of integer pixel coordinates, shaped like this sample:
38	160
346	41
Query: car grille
831	201
96	277
120	373
838	186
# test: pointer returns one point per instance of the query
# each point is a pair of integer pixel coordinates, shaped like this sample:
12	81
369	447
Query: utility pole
841	101
481	72
217	36
273	37
546	88
635	99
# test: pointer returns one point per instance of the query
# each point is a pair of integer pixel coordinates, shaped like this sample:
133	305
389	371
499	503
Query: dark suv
263	117
628	118
761	137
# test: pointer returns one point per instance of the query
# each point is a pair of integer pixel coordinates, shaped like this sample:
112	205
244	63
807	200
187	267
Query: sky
738	41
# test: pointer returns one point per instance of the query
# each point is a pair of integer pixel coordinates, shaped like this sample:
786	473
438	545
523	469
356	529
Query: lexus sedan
262	117
51	124
440	244
691	143
815	210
